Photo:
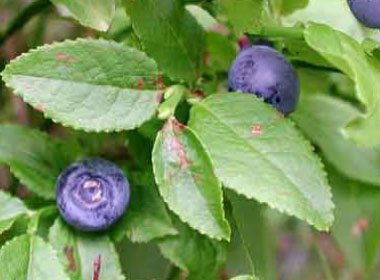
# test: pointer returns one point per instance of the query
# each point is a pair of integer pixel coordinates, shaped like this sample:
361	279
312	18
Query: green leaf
221	51
357	221
34	158
287	7
321	118
247	15
200	256
252	239
28	257
173	96
80	253
203	17
186	180
48	211
146	217
171	36
10	209
347	55
97	14
260	154
94	85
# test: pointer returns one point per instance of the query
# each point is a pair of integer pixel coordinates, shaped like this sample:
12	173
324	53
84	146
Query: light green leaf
357	221
247	15
245	277
96	14
207	21
287	7
186	180
252	240
48	211
173	96
34	158
80	252
200	256
94	85
260	154
146	217
347	55
10	209
322	118
221	51
171	36
28	257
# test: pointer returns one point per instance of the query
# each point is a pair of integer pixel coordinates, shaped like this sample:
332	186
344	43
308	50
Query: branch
22	18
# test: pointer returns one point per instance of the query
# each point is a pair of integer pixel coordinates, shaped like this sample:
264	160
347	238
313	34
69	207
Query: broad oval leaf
94	85
349	56
260	154
97	14
322	118
146	217
170	35
34	158
84	254
28	257
186	180
10	209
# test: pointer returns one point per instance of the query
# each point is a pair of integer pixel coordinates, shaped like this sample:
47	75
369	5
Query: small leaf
83	254
247	15
94	85
200	256
322	118
28	257
10	209
287	7
34	158
348	55
97	14
171	36
186	180
146	217
203	17
260	154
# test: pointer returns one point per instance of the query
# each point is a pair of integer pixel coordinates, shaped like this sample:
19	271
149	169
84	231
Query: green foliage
203	164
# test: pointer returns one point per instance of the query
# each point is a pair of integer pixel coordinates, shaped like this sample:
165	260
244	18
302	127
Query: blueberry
263	71
366	11
92	194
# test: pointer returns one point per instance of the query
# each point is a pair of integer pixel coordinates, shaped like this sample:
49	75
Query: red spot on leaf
140	83
244	42
69	252
198	93
206	58
176	146
169	177
257	129
173	125
197	177
64	57
160	82
97	265
219	28
159	97
359	227
39	108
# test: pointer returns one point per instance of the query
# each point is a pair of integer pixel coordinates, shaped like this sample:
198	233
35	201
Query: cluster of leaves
197	170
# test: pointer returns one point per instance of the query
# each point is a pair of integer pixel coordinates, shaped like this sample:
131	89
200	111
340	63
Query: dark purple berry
92	194
366	11
263	71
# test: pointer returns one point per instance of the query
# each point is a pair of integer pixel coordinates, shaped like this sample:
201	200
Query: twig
22	18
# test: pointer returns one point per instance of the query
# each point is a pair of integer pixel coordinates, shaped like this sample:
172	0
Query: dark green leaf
170	35
186	180
259	153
